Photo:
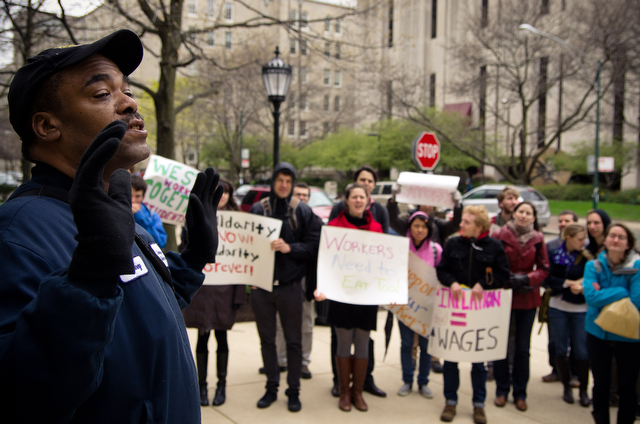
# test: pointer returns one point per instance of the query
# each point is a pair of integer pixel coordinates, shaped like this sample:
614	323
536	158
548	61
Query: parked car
319	201
486	195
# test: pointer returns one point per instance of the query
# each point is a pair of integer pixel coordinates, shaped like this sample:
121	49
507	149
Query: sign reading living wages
470	331
362	267
418	311
244	250
168	186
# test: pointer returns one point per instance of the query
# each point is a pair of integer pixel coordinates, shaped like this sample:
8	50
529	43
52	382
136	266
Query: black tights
203	341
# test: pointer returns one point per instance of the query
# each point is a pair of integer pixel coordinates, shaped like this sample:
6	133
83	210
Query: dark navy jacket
67	356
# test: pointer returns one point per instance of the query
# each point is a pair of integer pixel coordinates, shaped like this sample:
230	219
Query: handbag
543	312
620	317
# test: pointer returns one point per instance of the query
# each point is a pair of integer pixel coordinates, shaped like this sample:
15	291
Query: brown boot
359	369
343	367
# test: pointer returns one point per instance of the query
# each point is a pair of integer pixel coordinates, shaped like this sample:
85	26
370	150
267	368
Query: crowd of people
90	304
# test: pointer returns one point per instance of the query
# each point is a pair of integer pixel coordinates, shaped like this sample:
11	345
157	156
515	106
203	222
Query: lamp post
596	85
276	76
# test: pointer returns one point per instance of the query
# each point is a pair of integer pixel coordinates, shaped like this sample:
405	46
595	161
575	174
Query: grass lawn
615	210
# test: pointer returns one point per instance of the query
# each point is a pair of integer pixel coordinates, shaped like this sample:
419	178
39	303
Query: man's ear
46	126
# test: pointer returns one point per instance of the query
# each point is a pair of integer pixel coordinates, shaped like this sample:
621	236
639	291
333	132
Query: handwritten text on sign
427	189
362	267
169	184
418	311
244	250
471	331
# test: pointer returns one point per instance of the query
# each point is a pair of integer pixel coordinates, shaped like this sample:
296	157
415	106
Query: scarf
523	234
562	257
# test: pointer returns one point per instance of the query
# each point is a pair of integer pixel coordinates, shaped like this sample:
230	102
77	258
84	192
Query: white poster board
470	331
169	184
418	311
362	267
244	250
427	189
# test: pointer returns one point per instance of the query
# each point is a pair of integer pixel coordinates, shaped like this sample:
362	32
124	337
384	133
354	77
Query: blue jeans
406	346
521	324
565	325
451	376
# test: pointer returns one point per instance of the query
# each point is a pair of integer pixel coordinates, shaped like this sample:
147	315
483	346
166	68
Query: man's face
302	194
564	220
282	185
136	199
366	179
509	203
96	93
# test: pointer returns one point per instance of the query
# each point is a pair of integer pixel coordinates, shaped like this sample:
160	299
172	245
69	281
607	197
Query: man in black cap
90	322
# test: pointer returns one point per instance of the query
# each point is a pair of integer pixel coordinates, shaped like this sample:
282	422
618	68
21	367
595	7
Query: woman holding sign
529	263
353	323
478	262
214	308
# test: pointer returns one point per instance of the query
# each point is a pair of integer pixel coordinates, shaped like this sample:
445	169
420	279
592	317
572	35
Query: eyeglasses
617	236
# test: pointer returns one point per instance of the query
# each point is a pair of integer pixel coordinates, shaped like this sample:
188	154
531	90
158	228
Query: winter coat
522	260
378	212
151	222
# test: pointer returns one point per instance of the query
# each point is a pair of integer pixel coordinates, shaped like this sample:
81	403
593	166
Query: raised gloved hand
106	228
519	283
202	224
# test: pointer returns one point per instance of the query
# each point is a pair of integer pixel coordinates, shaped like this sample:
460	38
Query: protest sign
169	184
362	267
244	250
427	189
417	313
470	331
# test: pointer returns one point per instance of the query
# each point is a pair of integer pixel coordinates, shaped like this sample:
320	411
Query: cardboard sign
470	331
244	250
427	189
418	311
362	267
169	184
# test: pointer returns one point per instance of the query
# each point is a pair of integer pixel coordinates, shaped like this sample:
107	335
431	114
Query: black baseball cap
123	47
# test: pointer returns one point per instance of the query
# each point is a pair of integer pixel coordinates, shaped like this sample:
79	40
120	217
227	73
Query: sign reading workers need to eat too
244	250
362	267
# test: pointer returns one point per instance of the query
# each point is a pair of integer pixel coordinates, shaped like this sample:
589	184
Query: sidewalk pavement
245	386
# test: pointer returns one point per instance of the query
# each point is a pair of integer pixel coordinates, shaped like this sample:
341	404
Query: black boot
600	418
583	377
222	361
202	359
564	372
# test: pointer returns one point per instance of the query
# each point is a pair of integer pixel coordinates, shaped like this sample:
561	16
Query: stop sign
426	151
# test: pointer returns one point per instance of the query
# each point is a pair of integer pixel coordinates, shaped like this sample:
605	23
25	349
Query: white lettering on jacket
140	270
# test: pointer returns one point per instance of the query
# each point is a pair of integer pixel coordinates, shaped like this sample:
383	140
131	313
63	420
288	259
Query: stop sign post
426	151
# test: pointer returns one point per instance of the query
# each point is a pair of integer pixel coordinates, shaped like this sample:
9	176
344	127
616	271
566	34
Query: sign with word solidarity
169	184
427	189
418	311
470	331
362	267
426	151
244	250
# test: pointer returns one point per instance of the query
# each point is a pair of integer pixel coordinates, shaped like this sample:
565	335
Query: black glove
105	223
202	223
520	283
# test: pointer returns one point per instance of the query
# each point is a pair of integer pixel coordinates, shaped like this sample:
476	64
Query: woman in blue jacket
611	277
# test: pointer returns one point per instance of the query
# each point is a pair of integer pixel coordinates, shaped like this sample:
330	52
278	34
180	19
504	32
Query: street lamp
596	85
276	76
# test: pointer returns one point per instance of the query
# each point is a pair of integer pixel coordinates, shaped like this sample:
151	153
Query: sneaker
305	373
404	390
436	367
552	377
478	416
448	413
425	391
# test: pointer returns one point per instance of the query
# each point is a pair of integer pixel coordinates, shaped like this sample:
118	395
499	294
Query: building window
293	18
292	127
304	20
211	9
325	127
292	45
338	26
336	104
434	18
304	76
390	41
327	77
294	74
326	102
327	24
337	50
227	40
303	129
544	10
192	7
485	13
432	90
303	47
192	34
303	102
210	38
327	48
228	11
542	101
482	104
337	81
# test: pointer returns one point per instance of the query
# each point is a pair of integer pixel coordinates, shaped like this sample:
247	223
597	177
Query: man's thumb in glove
120	187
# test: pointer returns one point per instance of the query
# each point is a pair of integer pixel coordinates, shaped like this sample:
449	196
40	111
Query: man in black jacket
295	250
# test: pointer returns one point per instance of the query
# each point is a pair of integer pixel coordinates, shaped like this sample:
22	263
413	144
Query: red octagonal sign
426	151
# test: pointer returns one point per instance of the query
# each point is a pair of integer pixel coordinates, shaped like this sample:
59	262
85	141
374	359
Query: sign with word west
470	331
418	311
427	189
244	250
168	186
362	267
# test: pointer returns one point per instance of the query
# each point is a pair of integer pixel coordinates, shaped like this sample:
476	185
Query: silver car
486	195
